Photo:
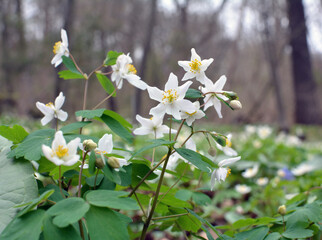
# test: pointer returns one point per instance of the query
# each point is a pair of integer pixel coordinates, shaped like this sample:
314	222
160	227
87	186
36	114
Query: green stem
181	124
170	216
137	199
60	182
105	99
155	200
80	175
96	178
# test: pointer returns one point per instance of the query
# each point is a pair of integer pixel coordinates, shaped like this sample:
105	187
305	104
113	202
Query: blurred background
270	51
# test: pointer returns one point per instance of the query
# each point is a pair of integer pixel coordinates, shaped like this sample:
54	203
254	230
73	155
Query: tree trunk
146	52
307	110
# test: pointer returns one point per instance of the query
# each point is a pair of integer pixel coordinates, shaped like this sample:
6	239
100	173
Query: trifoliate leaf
67	74
106	84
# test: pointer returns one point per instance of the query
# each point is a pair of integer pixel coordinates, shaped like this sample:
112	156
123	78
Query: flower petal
217	106
219	84
59	101
185	65
72	146
205	64
46	119
142	131
62	115
71	161
194	55
228	161
47	151
106	143
44	109
172	82
188	75
183	89
59	140
64	38
158	111
155	93
136	82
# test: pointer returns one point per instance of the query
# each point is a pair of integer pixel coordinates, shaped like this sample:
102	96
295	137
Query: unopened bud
282	210
99	163
113	162
89	145
212	151
231	95
235	104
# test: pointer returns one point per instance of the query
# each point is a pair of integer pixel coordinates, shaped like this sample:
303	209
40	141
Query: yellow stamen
228	172
56	47
101	152
132	69
50	104
228	143
61	151
195	66
191	114
170	96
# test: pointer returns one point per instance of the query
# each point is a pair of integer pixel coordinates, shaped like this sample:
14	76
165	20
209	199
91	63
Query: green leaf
27	227
91	163
273	236
74	126
111	58
201	198
119	118
172	201
70	64
15	134
258	233
117	128
90	114
91	180
111	199
67	74
17	182
68	211
155	143
52	232
195	158
220	139
31	205
56	196
243	223
30	147
204	221
184	194
106	84
193	93
103	223
139	170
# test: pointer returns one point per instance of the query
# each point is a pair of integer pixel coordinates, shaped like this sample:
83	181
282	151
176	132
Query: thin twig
137	199
105	99
170	216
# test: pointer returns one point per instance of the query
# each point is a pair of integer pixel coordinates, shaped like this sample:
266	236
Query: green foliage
68	211
111	58
103	223
15	134
111	199
193	93
68	74
69	64
106	84
155	143
74	126
90	114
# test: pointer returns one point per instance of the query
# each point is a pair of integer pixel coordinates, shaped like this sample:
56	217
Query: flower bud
99	163
231	95
235	104
282	210
89	145
212	151
113	162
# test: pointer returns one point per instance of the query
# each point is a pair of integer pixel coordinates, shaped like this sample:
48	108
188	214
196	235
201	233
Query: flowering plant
89	188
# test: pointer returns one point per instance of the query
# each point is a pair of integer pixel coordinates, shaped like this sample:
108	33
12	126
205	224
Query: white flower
52	111
171	99
191	117
151	126
105	145
242	188
212	91
302	169
222	172
123	69
60	49
196	67
227	149
250	172
264	131
262	181
250	129
60	153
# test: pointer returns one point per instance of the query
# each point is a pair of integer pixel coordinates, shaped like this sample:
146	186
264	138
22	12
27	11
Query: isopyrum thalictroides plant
98	188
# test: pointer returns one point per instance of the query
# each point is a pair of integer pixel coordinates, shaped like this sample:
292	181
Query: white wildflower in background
60	49
221	173
171	99
250	172
123	69
195	67
250	129
212	91
302	169
61	153
264	131
152	126
227	149
191	117
262	181
242	188
52	111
